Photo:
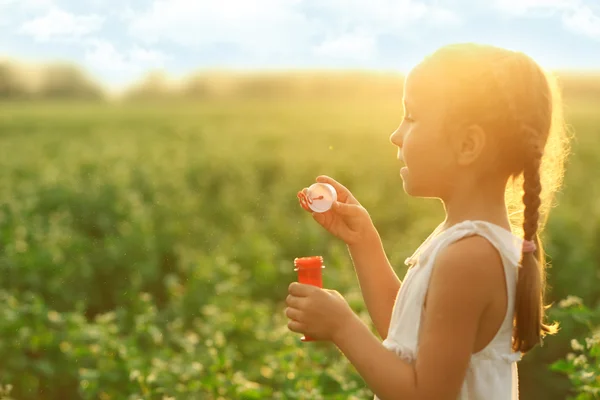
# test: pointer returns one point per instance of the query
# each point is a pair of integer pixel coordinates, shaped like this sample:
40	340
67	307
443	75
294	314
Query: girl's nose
396	138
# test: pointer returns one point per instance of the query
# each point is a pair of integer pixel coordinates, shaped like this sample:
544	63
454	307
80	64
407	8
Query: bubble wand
319	197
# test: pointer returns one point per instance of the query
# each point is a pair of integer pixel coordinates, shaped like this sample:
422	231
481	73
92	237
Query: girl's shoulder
503	240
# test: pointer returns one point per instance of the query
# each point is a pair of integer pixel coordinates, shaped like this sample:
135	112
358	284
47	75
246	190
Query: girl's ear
469	143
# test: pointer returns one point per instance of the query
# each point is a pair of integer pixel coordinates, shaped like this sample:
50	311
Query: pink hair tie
529	246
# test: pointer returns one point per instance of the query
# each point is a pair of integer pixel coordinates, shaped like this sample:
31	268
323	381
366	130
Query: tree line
56	81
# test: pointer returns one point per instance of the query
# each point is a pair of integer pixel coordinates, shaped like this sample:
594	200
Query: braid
532	185
529	307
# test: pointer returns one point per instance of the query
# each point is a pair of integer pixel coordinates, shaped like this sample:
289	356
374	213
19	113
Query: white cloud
583	20
443	16
576	15
387	15
374	18
352	45
59	24
521	7
282	26
147	56
12	11
255	26
25	4
103	56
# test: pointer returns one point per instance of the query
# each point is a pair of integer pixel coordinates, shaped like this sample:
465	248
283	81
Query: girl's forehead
422	90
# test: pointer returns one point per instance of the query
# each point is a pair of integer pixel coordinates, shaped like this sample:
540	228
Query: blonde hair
510	96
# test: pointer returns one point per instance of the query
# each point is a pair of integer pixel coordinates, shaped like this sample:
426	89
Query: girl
476	118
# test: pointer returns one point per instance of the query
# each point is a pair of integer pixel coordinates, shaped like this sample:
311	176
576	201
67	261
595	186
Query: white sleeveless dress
492	372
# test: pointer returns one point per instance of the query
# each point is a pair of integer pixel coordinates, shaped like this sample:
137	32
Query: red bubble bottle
309	272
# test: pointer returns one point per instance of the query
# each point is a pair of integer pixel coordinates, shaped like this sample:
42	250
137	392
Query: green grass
147	249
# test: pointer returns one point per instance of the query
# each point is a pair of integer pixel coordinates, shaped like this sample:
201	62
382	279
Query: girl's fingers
302	198
344	209
295	302
342	192
319	217
293	313
296	326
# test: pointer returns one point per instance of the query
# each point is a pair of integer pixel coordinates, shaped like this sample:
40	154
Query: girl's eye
407	118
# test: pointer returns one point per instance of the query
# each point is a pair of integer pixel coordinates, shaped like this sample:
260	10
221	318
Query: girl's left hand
319	313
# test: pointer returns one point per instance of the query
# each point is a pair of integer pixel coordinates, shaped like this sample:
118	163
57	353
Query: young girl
476	118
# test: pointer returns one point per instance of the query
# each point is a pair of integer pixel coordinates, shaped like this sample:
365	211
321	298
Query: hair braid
532	186
529	307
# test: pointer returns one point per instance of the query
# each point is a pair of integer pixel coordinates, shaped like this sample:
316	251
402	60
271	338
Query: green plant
582	365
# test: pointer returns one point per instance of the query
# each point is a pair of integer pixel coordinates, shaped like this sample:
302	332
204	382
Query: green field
147	249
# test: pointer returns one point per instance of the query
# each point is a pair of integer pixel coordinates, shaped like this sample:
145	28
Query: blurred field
147	246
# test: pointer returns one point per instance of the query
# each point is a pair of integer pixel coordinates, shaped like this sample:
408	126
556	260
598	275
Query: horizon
234	73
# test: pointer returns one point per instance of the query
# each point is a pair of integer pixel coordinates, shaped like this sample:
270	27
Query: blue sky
119	41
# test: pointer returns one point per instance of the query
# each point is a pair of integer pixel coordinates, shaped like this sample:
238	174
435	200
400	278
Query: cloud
522	7
371	20
58	24
103	56
576	15
387	15
13	11
282	27
25	4
260	26
583	20
351	45
444	17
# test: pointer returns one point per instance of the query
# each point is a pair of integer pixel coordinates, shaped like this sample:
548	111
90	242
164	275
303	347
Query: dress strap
410	261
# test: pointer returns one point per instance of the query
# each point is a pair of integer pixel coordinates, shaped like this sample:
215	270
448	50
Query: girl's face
423	144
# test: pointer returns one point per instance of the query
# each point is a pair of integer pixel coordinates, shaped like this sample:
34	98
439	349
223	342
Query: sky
118	42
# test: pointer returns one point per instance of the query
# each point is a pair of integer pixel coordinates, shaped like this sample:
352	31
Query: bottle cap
308	262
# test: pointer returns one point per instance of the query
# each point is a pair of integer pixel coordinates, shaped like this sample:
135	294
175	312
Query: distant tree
154	86
11	86
580	84
197	87
266	85
65	81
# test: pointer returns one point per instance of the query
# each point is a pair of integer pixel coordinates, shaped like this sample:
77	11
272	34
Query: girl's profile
483	132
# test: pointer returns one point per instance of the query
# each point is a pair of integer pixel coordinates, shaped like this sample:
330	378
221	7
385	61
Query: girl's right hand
347	219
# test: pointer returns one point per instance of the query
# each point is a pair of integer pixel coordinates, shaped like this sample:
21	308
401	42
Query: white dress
492	372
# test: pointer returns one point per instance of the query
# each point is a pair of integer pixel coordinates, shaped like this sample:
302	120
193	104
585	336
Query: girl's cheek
413	148
408	145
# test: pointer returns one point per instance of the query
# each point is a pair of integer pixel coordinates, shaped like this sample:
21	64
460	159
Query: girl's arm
465	277
377	280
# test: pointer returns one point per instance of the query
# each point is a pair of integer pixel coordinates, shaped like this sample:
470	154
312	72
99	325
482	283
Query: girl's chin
409	189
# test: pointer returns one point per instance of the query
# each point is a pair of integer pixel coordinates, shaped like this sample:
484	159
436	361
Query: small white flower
586	376
575	345
570	301
580	360
590	342
133	375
